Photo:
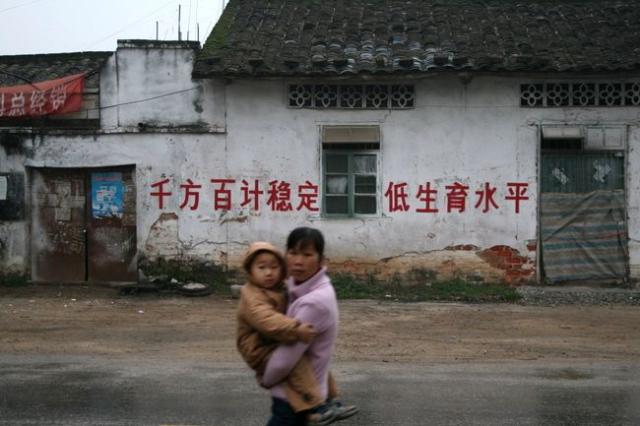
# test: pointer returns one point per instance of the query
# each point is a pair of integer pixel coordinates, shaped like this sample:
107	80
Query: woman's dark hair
304	237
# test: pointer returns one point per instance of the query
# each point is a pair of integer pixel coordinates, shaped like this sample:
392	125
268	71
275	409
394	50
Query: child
262	326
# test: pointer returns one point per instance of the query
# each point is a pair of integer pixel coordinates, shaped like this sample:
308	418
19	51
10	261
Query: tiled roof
22	69
338	37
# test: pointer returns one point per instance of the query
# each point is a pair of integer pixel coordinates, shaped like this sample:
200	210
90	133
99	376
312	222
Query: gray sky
55	26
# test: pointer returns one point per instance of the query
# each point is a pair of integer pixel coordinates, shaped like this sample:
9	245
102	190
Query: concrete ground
90	356
45	390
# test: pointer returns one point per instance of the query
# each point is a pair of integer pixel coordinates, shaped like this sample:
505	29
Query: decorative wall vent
566	94
352	96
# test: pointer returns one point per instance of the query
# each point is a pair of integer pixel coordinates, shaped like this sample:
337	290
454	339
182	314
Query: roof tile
20	69
334	37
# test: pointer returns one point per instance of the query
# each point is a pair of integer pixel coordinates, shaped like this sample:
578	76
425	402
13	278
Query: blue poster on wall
107	195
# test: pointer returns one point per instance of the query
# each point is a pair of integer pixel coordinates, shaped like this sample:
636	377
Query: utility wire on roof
19	77
20	5
164	95
177	92
130	24
32	83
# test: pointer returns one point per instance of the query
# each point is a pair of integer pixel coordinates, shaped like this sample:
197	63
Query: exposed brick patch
518	269
448	267
349	266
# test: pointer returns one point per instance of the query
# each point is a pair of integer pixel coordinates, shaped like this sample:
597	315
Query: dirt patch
98	321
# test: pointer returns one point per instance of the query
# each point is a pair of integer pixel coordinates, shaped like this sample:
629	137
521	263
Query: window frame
351	175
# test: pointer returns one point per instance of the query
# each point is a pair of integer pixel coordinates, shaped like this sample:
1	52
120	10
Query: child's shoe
342	411
321	415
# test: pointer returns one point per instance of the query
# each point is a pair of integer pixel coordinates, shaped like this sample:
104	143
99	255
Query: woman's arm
282	361
285	357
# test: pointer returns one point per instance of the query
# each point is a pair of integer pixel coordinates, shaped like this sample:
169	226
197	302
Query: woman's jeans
283	415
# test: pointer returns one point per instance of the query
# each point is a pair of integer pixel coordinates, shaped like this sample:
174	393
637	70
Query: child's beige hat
258	247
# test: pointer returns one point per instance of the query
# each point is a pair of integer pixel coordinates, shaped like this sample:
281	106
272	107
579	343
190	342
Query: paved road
97	391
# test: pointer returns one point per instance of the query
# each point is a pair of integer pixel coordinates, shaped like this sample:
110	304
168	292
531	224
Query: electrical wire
415	108
90	73
129	25
19	77
164	95
20	5
213	23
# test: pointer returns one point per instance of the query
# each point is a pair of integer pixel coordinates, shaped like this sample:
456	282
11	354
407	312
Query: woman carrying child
262	326
303	392
312	300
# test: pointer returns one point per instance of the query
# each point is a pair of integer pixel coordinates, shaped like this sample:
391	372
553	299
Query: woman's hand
306	332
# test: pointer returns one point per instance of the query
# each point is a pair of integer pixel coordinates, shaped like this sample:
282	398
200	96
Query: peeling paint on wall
412	267
163	237
464	261
237	219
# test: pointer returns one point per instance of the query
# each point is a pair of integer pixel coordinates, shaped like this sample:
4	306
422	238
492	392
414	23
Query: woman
311	300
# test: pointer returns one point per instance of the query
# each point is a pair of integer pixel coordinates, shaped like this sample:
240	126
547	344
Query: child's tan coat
262	326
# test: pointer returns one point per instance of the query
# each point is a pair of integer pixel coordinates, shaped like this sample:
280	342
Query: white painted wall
471	133
13	237
147	85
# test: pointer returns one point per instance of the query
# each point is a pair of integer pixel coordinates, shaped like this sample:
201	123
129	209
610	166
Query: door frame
30	210
626	179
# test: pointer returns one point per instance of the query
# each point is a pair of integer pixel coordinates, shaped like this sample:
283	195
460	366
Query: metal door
58	225
83	225
583	226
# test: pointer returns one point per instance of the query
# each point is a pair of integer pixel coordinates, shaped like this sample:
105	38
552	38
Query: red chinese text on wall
281	196
278	195
59	96
456	196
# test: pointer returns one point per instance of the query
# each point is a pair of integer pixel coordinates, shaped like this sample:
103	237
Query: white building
425	140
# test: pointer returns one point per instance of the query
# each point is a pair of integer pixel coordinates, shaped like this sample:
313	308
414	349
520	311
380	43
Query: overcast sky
55	26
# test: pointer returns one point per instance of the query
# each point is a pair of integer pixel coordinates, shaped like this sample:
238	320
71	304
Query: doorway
583	228
83	226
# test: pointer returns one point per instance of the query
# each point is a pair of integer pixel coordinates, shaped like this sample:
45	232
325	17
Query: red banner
50	97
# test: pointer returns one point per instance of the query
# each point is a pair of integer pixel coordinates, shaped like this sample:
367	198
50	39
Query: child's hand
306	332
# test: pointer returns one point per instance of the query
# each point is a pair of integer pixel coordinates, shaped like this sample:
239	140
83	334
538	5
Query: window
562	138
582	159
350	164
580	94
352	96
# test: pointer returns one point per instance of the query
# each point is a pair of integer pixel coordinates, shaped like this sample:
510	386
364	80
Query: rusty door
58	226
83	225
111	225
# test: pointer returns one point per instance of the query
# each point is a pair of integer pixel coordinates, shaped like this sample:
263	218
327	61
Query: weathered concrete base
495	264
